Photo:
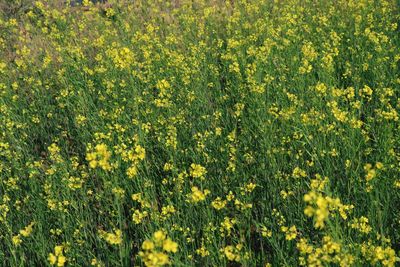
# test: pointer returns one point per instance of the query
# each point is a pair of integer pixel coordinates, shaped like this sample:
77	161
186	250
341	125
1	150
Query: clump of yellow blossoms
321	206
23	232
330	252
134	156
218	203
197	195
197	171
361	224
371	173
290	232
139	215
99	157
227	225
265	232
232	253
202	251
299	173
378	254
112	238
58	257
155	250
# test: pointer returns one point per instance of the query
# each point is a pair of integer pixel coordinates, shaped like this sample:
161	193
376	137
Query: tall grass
200	133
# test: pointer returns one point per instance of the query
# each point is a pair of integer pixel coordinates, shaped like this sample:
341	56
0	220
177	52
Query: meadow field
200	133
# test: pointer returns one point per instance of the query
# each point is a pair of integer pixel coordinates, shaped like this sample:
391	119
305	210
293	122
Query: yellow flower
138	216
197	171
232	253
203	252
298	173
170	246
291	233
361	224
265	232
132	171
52	259
58	250
159	236
57	258
99	157
147	245
197	195
227	225
321	88
16	240
152	255
61	260
112	238
218	203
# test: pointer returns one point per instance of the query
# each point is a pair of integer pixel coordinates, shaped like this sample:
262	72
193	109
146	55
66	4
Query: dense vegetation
200	133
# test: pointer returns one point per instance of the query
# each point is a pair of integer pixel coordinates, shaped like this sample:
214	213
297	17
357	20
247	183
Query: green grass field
200	133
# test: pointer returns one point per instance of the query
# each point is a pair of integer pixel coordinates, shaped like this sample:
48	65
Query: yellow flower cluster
58	258
134	156
378	254
99	157
197	171
23	233
113	238
320	206
232	253
198	195
330	252
371	173
155	250
290	232
361	224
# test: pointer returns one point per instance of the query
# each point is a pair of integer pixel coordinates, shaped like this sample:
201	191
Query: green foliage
199	133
